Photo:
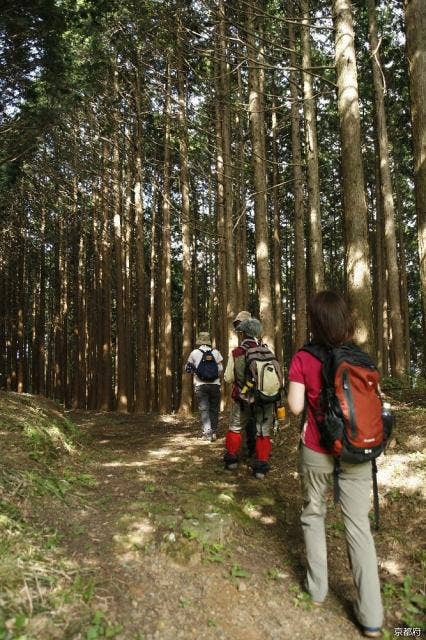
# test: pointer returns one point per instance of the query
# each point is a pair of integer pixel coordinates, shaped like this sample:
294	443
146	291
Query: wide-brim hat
203	338
251	327
242	315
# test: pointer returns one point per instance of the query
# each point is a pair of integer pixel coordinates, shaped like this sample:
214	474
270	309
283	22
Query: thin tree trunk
299	233
311	145
106	256
38	350
403	270
93	305
153	319
121	351
82	327
415	23
257	118
129	289
166	350
186	381
74	294
380	273
355	207
240	205
402	263
387	200
212	266
140	314
3	326
276	239
12	321
220	215
58	391
225	119
21	356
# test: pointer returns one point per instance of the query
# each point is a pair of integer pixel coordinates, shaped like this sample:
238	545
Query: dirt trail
179	548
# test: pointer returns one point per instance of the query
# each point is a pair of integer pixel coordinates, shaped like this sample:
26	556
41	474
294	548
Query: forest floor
141	534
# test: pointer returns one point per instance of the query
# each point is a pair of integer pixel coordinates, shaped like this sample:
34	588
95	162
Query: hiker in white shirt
206	366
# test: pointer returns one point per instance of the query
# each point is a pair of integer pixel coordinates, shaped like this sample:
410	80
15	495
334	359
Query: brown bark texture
257	118
300	333
415	24
395	310
316	260
355	207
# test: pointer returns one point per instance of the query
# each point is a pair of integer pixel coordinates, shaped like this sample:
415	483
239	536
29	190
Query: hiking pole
375	494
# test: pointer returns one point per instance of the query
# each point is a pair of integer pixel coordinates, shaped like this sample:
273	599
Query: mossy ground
128	527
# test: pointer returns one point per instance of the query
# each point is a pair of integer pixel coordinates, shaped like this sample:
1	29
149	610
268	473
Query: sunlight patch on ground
405	472
224	485
169	419
160	453
392	567
139	534
252	512
223	497
211	514
415	443
117	463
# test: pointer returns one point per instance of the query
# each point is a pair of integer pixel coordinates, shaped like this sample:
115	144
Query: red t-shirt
306	369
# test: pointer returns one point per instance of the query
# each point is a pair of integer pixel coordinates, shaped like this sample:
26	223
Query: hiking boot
372	632
230	460
260	469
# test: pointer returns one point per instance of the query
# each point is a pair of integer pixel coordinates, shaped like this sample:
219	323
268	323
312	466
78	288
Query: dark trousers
208	399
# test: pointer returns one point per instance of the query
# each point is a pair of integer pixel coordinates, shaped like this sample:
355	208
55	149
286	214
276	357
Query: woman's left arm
296	397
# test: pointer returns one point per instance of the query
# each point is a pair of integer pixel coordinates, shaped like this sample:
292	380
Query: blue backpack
207	370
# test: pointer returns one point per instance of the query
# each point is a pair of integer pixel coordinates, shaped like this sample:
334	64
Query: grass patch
43	593
214	552
44	432
238	572
41	589
409	598
100	628
301	599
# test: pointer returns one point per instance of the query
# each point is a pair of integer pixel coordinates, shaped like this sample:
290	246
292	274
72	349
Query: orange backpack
350	421
354	424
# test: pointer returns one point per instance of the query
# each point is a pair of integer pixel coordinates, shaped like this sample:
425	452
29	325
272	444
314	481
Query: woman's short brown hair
330	318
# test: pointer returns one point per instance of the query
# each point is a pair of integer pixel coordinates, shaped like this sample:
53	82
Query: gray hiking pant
316	471
241	412
208	399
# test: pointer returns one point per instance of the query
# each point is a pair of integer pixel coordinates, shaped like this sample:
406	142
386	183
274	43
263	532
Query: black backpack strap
336	488
316	350
375	494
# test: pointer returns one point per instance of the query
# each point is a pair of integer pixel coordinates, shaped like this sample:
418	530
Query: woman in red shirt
332	325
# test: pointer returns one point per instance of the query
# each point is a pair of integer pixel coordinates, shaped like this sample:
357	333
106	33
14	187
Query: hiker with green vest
256	380
335	386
